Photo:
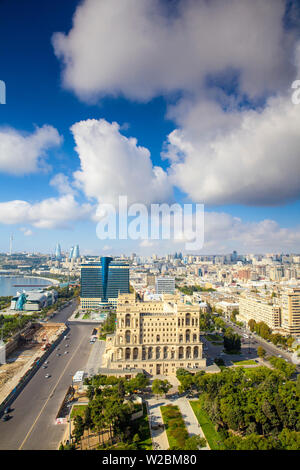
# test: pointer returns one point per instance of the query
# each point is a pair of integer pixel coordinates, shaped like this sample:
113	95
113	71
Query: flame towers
58	252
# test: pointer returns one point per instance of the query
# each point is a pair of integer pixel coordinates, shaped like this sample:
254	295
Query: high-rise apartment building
102	282
283	313
259	309
156	336
276	273
165	285
290	311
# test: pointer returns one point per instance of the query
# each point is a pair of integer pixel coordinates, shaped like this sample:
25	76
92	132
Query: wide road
33	418
270	348
249	346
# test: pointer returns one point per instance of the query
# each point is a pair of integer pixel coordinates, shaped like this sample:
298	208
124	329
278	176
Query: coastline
50	282
54	281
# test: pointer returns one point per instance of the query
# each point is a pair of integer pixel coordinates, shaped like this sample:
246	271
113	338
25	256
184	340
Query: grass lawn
175	427
212	436
246	362
78	410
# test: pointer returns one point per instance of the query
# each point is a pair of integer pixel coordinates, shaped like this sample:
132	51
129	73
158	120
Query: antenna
10	243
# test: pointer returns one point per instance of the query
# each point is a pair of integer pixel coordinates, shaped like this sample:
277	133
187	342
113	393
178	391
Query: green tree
290	440
194	443
252	324
78	429
261	352
160	387
232	341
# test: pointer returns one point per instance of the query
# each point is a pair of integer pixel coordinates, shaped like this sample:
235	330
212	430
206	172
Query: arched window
188	352
127	320
127	353
158	352
180	352
196	352
135	353
187	336
188	319
127	337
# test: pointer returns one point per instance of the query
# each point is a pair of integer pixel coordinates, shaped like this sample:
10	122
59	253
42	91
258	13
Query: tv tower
10	243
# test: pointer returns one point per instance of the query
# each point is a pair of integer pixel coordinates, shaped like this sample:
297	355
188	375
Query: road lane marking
34	423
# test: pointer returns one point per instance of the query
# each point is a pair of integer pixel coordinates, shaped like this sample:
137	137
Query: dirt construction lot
19	361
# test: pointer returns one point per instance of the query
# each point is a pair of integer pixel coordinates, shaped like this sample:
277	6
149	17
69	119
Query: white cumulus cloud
144	48
23	153
112	165
49	213
245	157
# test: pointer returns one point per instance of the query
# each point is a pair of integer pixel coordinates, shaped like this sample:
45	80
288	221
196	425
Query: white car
47	376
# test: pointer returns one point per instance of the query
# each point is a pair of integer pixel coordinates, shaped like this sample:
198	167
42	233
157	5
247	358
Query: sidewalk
160	436
95	359
190	419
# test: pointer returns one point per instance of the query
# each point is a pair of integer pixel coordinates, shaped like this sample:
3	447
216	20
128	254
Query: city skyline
219	129
150	229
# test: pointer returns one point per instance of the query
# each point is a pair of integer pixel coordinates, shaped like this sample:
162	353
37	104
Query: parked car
7	410
47	376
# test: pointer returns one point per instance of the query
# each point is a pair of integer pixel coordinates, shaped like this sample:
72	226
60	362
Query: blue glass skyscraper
102	282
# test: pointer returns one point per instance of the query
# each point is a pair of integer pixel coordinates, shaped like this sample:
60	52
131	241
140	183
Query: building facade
260	310
102	282
290	311
165	285
157	336
282	315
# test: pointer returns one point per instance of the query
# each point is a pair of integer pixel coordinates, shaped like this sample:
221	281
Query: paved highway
33	425
249	349
270	348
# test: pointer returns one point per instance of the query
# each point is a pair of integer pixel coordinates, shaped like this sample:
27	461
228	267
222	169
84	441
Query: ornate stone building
156	336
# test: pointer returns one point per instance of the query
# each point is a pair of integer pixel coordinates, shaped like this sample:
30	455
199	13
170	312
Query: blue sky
168	86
